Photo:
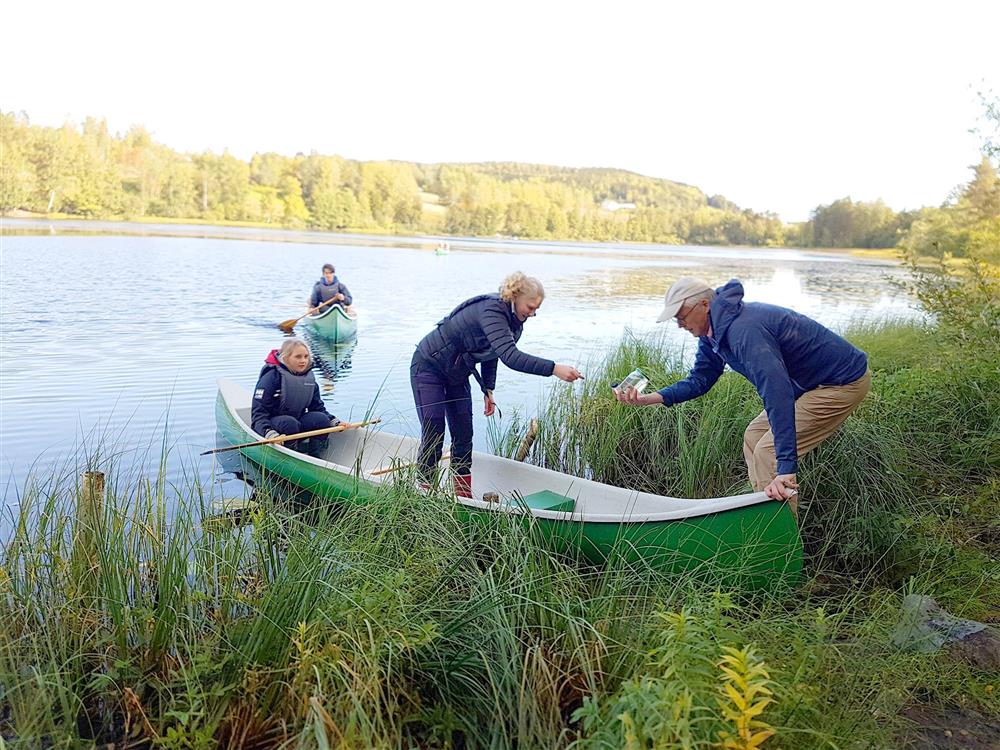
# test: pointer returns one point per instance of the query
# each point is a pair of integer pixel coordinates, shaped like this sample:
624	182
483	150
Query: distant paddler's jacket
322	292
481	330
782	352
280	392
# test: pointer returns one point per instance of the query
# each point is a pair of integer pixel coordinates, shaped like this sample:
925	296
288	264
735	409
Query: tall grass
393	625
932	421
367	625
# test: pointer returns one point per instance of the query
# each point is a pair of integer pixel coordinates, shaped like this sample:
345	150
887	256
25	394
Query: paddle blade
288	325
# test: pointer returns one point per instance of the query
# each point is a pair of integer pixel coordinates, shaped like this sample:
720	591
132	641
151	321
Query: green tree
263	203
391	192
981	197
178	196
224	186
337	210
270	169
296	213
17	173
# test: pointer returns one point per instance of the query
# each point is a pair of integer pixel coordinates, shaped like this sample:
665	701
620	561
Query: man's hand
335	422
338	297
629	395
782	487
271	434
489	405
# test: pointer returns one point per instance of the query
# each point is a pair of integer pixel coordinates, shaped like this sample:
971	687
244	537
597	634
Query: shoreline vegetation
121	226
136	622
89	172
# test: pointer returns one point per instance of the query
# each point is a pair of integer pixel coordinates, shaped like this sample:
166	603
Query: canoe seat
548	500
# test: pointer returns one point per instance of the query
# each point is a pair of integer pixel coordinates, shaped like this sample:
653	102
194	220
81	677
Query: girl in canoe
482	330
286	399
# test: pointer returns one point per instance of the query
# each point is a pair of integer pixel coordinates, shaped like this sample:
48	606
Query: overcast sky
777	106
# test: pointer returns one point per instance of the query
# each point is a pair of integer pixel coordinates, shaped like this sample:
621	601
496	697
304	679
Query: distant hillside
88	171
602	183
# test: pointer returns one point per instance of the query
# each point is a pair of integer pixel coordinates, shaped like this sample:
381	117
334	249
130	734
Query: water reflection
804	285
132	372
331	360
636	281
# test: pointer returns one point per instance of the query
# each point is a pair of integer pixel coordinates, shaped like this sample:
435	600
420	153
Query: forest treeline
88	171
967	224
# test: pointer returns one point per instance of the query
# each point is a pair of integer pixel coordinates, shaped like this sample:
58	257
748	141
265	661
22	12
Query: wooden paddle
288	325
296	436
389	470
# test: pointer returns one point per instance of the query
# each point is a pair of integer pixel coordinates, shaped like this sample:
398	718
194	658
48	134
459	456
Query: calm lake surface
113	335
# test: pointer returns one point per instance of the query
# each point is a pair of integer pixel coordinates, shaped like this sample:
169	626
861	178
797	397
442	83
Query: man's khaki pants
818	413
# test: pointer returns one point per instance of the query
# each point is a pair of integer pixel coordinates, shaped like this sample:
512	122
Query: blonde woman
287	401
483	330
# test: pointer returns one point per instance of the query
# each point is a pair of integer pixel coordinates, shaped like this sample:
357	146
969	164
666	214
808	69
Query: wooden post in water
529	439
89	511
93	491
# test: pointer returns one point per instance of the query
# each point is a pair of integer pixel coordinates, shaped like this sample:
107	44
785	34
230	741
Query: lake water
115	334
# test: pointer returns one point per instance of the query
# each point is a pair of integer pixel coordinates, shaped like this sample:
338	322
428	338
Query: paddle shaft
296	436
287	325
380	472
522	452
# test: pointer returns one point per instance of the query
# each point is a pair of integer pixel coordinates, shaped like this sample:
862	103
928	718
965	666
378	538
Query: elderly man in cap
809	378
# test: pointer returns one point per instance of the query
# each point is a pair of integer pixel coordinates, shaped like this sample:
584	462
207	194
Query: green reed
394	625
932	418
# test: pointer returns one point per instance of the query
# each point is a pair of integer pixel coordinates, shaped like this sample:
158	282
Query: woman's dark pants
440	399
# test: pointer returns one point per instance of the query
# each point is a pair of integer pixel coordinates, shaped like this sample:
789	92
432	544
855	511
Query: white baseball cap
680	290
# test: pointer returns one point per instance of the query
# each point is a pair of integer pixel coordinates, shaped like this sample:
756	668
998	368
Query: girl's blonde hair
290	344
518	285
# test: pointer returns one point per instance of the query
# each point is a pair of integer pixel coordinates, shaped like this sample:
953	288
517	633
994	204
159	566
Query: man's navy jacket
783	353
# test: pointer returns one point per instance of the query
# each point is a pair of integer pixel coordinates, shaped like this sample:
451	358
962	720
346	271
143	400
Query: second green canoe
334	324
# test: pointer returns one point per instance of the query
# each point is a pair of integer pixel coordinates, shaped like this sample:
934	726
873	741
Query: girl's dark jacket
280	392
482	330
783	353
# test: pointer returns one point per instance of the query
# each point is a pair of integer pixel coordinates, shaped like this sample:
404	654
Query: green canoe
334	324
747	540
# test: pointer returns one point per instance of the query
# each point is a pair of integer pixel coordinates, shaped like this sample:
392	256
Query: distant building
609	205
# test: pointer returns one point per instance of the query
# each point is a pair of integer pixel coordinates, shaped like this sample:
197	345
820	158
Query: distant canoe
334	324
443	248
747	540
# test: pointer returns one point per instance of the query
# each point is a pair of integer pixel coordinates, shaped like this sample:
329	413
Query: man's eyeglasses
681	318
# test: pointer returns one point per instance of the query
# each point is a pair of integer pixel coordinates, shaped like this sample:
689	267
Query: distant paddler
809	378
329	287
482	331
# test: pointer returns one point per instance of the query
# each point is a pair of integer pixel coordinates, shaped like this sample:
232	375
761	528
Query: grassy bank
433	226
392	625
224	223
